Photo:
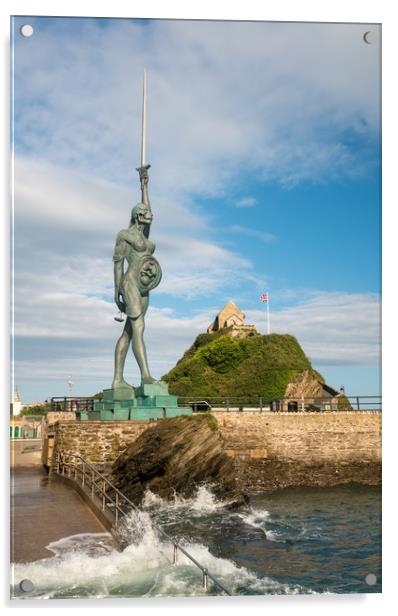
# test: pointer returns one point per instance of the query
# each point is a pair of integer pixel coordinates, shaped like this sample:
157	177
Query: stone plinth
149	401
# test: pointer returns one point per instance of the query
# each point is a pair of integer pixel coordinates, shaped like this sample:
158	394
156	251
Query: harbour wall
268	450
278	450
99	442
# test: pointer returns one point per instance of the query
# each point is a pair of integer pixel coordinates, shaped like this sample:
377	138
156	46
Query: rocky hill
219	365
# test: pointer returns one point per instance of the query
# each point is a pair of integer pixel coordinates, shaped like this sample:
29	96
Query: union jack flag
264	298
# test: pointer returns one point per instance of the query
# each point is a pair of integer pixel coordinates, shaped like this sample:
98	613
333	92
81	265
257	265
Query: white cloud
246	202
67	224
225	100
80	341
333	328
55	196
76	335
260	235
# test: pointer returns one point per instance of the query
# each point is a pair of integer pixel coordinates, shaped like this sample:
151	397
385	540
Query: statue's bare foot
120	383
148	381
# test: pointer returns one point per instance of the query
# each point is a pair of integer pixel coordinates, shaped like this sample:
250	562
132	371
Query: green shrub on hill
218	365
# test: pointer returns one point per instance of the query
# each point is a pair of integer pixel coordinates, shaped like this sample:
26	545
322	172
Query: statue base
149	401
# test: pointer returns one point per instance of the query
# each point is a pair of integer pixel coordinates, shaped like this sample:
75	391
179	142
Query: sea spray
203	501
142	569
257	519
89	565
313	536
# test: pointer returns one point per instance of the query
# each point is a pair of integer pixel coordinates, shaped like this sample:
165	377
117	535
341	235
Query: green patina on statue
132	286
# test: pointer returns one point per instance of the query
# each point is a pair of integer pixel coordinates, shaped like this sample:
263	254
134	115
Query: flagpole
268	322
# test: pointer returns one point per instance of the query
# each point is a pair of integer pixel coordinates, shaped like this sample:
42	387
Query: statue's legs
139	349
121	349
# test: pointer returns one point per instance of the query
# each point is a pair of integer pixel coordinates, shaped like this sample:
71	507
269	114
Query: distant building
26	427
16	404
231	319
306	393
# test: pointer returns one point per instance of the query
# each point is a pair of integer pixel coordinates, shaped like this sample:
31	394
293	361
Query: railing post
117	510
205	580
227	401
92	483
261	405
358	405
103	496
174	554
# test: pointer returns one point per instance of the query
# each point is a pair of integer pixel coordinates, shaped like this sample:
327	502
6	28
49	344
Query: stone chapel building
232	320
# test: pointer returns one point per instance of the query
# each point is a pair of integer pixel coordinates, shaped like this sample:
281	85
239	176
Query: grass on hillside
218	365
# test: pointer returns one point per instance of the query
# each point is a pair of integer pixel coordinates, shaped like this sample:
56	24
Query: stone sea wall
268	450
274	450
99	442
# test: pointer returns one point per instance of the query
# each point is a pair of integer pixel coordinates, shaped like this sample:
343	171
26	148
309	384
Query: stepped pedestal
149	401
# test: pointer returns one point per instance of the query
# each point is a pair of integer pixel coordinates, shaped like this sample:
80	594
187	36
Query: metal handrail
62	465
253	397
257	403
253	402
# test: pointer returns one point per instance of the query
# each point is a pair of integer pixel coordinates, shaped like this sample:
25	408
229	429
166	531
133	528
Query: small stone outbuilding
306	392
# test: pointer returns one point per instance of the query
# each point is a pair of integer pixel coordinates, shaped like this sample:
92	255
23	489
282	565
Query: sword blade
143	135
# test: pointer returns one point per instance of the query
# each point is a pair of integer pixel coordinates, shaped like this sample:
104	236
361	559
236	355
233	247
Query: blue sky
264	145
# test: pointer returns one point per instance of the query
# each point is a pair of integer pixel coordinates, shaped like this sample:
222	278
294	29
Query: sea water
313	540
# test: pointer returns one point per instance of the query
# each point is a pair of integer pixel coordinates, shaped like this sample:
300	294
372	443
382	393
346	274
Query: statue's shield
149	274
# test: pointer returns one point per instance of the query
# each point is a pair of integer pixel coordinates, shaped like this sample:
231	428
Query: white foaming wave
273	535
256	518
79	570
93	543
153	501
238	580
137	528
203	501
143	568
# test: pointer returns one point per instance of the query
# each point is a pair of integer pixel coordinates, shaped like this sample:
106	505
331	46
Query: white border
288	10
381	11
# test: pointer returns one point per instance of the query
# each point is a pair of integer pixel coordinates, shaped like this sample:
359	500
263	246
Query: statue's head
141	213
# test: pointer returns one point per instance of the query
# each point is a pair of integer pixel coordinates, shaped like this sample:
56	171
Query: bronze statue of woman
132	286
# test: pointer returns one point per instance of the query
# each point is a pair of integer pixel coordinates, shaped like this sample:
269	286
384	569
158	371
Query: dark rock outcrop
177	456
